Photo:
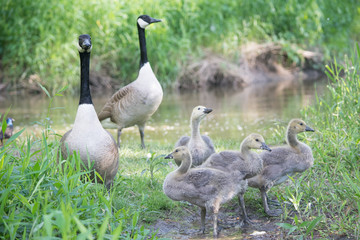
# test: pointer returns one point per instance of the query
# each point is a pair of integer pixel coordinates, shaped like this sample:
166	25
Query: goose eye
198	108
257	140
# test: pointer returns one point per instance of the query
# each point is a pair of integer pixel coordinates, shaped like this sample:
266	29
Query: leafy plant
153	164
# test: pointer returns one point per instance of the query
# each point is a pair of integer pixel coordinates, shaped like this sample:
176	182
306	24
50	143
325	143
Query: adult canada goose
205	187
9	129
136	102
246	162
282	162
200	146
100	150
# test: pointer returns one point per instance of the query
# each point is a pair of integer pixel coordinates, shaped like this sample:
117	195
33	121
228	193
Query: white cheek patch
83	50
142	23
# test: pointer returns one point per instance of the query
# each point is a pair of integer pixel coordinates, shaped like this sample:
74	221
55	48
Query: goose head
145	20
256	141
297	126
9	121
200	112
84	43
179	154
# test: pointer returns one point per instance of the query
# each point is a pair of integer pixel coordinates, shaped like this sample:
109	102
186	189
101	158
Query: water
235	113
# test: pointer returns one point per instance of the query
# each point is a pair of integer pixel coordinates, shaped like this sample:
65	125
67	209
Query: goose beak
170	156
309	129
154	20
265	147
207	110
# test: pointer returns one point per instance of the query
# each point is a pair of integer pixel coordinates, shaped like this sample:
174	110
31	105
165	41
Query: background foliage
39	37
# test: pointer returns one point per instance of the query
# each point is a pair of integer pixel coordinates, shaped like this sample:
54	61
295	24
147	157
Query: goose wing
201	182
183	141
276	157
209	143
119	96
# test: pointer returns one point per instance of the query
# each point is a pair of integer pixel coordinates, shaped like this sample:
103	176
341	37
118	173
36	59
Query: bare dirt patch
259	63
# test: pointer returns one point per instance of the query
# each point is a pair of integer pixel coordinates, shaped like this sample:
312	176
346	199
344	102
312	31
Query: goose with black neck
101	151
136	102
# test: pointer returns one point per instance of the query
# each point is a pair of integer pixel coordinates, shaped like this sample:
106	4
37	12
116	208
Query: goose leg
272	213
118	137
273	202
246	219
141	130
203	215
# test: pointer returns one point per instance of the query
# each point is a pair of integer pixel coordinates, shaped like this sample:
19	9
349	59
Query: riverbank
39	199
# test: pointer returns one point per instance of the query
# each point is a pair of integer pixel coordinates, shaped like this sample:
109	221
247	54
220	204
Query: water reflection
236	113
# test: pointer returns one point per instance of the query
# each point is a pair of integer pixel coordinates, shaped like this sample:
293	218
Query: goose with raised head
246	162
101	151
282	162
205	187
9	129
200	146
136	102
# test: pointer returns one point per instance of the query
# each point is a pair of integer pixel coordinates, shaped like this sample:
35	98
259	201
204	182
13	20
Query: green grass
39	199
39	37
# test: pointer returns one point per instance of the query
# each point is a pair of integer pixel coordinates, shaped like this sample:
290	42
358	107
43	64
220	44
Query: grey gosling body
136	102
200	146
100	150
282	162
205	187
9	130
245	161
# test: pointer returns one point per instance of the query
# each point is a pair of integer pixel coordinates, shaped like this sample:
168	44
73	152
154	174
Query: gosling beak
207	110
153	20
309	129
170	156
265	147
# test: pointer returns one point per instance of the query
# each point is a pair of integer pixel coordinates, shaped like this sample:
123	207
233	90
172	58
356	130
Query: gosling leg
141	130
203	215
246	219
118	137
273	202
271	213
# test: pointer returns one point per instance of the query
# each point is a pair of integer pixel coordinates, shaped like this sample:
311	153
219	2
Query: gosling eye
176	150
257	140
198	108
301	124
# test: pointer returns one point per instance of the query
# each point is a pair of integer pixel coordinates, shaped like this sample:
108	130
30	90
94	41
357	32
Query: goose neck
85	96
142	42
185	164
291	138
195	128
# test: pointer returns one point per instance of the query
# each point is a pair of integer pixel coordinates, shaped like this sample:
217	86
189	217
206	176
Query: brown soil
187	227
258	64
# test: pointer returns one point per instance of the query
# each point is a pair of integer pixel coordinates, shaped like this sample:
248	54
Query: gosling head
256	141
298	126
200	112
9	121
84	43
179	154
144	20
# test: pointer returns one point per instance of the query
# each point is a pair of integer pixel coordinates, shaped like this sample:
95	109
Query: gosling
205	187
282	162
245	161
200	146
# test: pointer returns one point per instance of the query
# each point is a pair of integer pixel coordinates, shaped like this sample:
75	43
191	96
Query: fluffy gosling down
200	146
100	150
205	187
284	161
246	162
136	102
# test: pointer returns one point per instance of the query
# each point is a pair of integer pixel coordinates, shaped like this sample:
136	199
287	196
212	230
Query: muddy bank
259	63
